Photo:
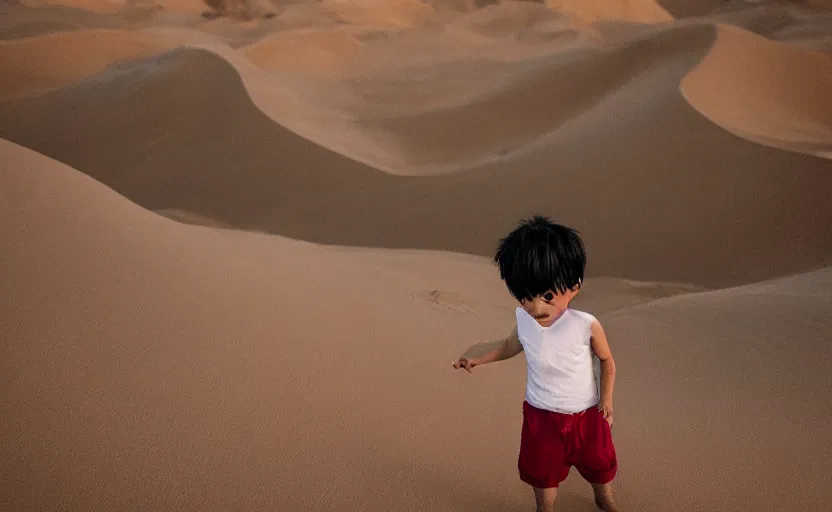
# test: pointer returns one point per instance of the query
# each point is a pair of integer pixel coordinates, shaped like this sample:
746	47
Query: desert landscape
244	240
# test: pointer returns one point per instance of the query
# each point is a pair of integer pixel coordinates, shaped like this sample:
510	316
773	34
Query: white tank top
561	367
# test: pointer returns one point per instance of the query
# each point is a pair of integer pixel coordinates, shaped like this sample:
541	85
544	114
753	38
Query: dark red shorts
551	443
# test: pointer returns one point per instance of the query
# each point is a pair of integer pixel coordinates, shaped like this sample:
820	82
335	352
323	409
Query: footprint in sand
447	301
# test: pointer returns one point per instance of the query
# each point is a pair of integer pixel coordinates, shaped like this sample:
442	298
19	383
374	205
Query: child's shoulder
589	318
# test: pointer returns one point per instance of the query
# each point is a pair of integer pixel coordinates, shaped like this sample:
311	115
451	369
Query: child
567	419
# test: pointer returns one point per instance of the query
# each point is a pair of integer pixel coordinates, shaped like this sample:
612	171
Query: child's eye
548	296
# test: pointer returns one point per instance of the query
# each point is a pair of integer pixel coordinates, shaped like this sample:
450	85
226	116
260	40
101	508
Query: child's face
548	306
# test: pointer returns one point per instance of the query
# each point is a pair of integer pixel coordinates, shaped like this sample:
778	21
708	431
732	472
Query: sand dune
511	20
146	133
752	356
815	35
138	378
37	64
795	25
314	51
400	13
735	88
764	17
20	21
175	335
536	98
701	8
120	6
644	11
102	6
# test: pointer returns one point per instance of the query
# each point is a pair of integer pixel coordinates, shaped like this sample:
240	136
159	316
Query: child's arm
601	347
508	349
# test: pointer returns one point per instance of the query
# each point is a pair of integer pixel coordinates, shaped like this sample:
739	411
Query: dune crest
256	174
735	87
527	105
41	63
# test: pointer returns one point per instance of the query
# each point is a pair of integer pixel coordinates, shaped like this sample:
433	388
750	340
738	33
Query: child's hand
606	410
464	363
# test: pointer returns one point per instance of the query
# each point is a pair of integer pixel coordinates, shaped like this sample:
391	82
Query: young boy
567	419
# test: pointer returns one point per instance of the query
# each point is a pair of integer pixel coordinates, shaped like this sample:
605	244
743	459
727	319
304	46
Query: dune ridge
739	93
250	174
356	133
33	65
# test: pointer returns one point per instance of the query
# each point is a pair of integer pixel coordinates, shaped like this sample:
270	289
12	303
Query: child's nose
538	304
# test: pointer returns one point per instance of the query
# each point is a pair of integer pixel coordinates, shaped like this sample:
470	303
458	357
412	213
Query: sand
734	87
240	250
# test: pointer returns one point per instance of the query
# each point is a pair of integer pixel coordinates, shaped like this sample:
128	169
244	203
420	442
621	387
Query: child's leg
596	459
542	459
604	498
545	498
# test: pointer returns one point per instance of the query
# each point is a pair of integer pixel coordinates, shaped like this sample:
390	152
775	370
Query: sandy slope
392	71
735	87
102	6
401	13
538	96
644	11
179	132
730	385
19	21
207	415
35	64
149	364
158	365
313	51
118	6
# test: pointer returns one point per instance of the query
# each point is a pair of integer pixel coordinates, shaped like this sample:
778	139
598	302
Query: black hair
539	255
